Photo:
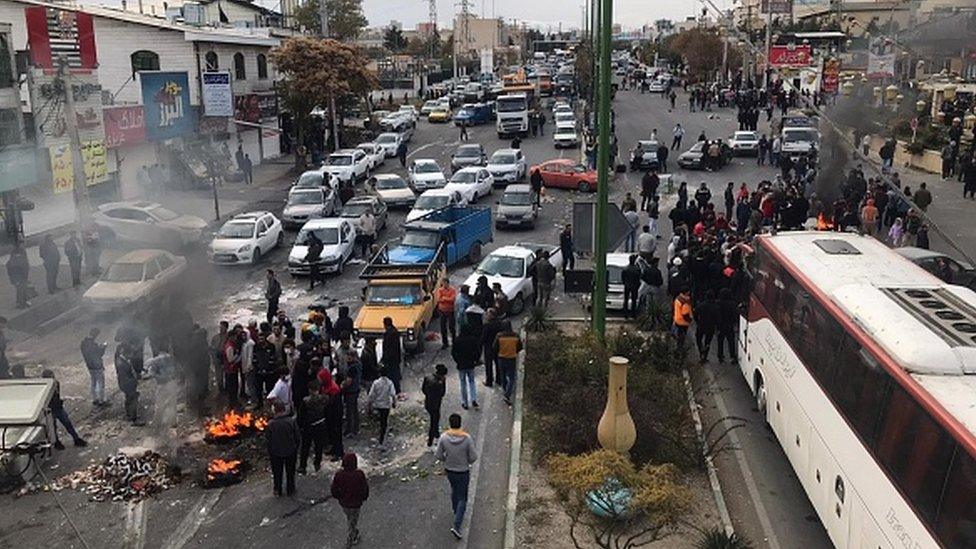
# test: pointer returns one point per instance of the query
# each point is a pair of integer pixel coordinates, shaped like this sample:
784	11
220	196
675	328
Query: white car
657	86
564	117
245	238
303	204
147	223
798	141
616	263
338	242
506	166
393	190
565	135
426	173
348	165
314	179
136	279
375	154
359	205
471	184
390	142
744	143
429	106
431	200
509	266
561	108
398	121
409	110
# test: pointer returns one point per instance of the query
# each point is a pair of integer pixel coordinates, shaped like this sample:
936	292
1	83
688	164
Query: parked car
565	173
507	166
393	190
509	266
375	153
431	200
428	107
359	205
136	279
348	165
744	143
657	86
397	121
426	173
644	156
338	240
440	114
946	268
471	183
245	237
303	204
565	135
471	154
517	208
390	142
315	179
147	223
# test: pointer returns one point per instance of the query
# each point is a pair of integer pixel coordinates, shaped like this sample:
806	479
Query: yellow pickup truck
402	292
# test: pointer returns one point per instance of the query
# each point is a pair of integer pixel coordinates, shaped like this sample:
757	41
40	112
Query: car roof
366	144
512	251
470	169
913	253
643	142
343	151
385	176
140	256
505	151
325	223
566	161
746	133
249	216
470	146
438	192
425	161
138	204
518	188
618	259
361	198
394	134
306	190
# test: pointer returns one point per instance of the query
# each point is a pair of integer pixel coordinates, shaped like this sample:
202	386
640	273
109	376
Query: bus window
957	514
860	388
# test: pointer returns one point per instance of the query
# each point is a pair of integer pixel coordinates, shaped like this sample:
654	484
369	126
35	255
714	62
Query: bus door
832	493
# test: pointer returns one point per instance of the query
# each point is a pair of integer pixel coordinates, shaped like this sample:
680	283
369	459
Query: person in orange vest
444	296
507	346
682	317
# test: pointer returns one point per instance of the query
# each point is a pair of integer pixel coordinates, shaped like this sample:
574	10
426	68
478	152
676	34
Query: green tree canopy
346	19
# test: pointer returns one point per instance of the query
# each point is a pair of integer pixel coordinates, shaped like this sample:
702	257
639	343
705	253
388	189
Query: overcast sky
629	13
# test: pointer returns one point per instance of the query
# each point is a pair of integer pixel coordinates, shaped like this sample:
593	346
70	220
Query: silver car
147	223
468	155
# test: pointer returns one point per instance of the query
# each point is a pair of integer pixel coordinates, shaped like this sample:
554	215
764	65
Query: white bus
864	366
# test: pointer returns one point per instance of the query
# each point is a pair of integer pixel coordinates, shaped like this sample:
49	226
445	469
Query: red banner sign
124	125
830	83
53	33
791	56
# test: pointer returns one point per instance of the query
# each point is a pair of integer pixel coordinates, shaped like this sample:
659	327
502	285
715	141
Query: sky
629	13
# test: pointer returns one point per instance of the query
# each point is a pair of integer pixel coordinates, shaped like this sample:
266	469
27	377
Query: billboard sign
53	33
830	82
166	100
51	124
881	65
218	99
791	56
782	7
247	108
124	125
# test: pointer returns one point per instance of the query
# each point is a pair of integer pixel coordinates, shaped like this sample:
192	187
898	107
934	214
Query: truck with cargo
461	230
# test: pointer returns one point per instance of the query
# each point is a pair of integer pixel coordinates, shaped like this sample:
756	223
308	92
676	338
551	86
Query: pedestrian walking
969	180
633	219
93	251
434	387
566	247
272	292
706	320
392	352
381	399
466	351
367	233
333	412
727	325
351	490
649	185
922	197
351	386
464	132
311	419
128	380
630	276
313	256
93	354
682	317
545	274
678	133
56	405
18	271
401	153
869	218
72	250
283	441
444	296
456	449
535	181
239	156
51	258
248	169
542	123
493	325
507	346
662	158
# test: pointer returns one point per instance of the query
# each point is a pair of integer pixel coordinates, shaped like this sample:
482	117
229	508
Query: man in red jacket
350	489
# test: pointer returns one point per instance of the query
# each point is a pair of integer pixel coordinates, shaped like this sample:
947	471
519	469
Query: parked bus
864	366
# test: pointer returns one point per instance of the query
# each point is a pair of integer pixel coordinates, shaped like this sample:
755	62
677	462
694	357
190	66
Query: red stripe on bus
959	431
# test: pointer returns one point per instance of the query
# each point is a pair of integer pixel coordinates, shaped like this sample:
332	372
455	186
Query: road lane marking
424	147
135	525
479	450
193	519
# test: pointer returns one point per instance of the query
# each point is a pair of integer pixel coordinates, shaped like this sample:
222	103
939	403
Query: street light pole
603	174
80	188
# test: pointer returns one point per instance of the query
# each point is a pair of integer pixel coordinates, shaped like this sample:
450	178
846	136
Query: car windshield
355	210
564	117
386	138
468	152
236	230
697	147
746	136
339	160
499	265
613	274
296	199
517	199
387	183
311	179
432	202
439	109
328	235
510	104
426	167
123	272
431	104
502	158
420	239
162	213
368	149
394	294
799	135
464	177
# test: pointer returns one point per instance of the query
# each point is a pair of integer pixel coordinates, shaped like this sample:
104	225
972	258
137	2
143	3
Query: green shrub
716	538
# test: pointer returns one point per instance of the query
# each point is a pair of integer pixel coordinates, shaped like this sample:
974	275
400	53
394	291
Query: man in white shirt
367	232
646	244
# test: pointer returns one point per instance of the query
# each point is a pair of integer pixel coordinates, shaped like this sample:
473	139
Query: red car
563	173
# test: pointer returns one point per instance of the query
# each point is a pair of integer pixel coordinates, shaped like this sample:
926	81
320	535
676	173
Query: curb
515	455
723	510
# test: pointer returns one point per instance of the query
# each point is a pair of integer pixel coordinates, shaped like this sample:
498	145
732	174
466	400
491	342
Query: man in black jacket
493	326
706	320
273	293
312	257
631	278
649	185
535	181
18	270
434	387
728	324
72	250
566	247
51	258
392	354
465	352
283	439
93	351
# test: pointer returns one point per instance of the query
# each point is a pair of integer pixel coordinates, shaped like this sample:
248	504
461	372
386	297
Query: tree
652	508
319	73
417	47
394	40
346	19
701	50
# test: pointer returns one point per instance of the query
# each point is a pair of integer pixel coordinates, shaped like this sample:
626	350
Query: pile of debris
123	477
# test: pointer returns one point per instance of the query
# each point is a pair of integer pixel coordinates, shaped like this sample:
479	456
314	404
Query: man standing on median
456	449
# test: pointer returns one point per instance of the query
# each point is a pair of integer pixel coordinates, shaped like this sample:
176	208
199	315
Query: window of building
211	61
239	72
144	60
262	67
6	68
9	128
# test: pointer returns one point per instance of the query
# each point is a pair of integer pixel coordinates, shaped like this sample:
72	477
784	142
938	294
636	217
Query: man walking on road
535	180
351	490
283	438
392	352
434	387
273	293
444	297
72	250
649	185
18	270
93	352
312	257
630	276
466	351
464	132
566	247
678	133
248	169
51	258
456	449
507	347
401	153
923	197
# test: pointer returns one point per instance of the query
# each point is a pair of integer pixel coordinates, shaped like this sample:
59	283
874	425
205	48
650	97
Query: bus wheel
761	398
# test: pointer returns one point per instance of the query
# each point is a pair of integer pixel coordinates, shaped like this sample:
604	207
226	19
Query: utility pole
603	174
326	33
324	17
80	188
767	72
432	21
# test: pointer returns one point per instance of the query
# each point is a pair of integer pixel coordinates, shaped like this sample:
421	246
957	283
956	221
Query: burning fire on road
824	224
233	425
221	472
